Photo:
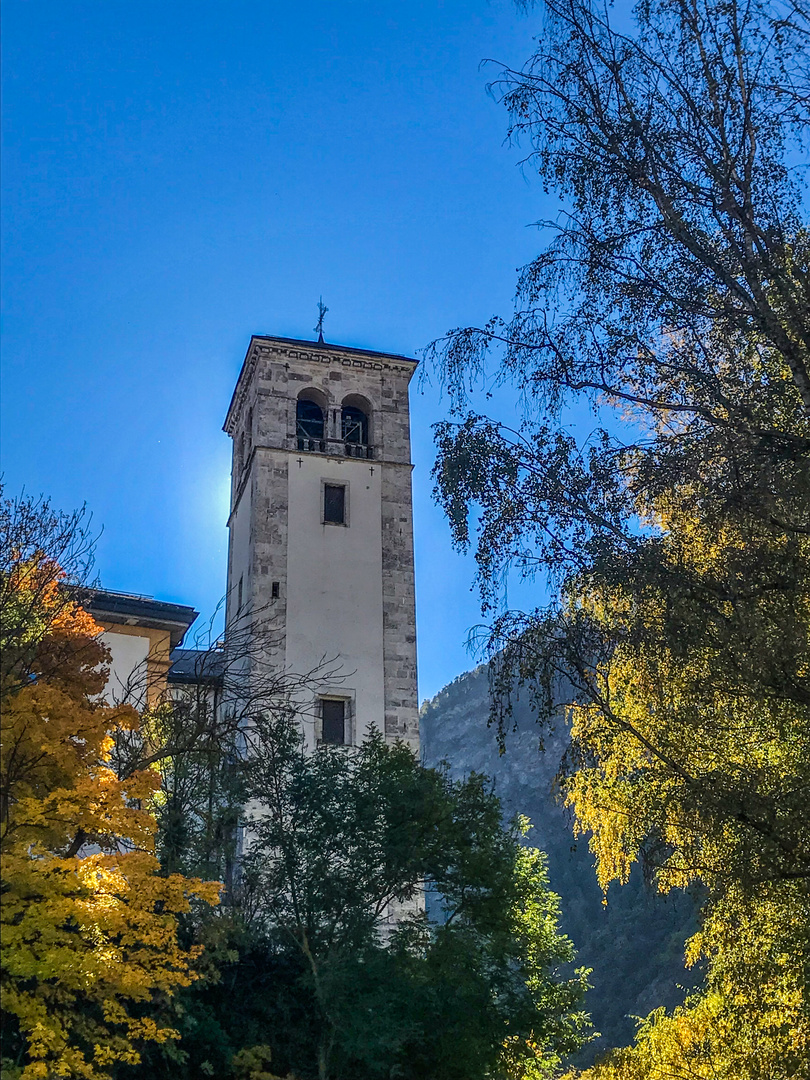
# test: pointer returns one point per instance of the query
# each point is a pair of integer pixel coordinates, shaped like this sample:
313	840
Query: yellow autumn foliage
89	928
695	755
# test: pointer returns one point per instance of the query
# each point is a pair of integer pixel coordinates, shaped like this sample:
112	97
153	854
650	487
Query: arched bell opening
310	421
356	426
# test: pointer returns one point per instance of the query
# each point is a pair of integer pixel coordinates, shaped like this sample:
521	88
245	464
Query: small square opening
333	721
334	504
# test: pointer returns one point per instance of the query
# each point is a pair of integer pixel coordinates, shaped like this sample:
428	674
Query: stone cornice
290	349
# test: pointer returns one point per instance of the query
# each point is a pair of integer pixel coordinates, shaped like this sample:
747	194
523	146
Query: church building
321	532
320	564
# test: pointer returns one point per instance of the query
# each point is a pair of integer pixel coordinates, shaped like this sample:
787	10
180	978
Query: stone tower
321	533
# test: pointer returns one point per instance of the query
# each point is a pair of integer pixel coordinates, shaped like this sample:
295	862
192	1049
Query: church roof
313	346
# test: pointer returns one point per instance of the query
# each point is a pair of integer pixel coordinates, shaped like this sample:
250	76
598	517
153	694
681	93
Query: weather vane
322	310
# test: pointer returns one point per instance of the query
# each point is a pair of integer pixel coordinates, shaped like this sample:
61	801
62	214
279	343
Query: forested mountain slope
634	943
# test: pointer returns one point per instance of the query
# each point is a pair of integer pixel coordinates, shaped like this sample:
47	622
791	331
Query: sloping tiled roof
196	666
134	610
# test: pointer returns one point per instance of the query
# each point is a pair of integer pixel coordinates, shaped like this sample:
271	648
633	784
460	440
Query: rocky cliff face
634	943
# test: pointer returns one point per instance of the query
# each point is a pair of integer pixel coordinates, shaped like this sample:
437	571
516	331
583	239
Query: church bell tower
320	529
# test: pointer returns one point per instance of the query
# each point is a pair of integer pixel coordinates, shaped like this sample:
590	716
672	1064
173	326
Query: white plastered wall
334	583
127	679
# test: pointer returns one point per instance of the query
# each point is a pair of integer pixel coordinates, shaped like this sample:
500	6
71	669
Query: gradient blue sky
177	176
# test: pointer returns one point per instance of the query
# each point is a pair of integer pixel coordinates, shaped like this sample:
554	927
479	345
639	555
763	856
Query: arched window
354	430
309	424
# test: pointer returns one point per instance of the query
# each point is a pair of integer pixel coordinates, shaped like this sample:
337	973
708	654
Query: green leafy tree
340	973
674	301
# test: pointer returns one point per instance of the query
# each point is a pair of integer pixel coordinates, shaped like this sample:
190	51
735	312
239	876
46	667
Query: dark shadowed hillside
634	943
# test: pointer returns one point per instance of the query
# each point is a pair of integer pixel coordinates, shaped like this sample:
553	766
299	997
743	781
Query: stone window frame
363	404
325	480
349	715
312	395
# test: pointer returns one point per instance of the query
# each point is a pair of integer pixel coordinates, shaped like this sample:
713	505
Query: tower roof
322	349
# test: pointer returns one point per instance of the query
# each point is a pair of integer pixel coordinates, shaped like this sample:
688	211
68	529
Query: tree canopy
322	961
89	928
329	962
674	301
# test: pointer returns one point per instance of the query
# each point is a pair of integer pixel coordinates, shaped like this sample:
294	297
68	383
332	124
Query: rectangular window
333	721
334	504
274	590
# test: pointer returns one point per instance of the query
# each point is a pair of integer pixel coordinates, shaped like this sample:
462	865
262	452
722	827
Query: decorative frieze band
321	357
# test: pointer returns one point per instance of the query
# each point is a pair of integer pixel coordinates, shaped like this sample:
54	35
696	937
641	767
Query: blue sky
179	176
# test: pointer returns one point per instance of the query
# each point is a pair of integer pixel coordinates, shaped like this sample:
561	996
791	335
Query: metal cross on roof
322	310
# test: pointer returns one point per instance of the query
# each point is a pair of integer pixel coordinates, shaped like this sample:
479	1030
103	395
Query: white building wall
329	591
127	679
334	586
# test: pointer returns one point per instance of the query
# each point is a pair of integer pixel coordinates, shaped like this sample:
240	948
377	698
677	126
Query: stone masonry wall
261	420
399	613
